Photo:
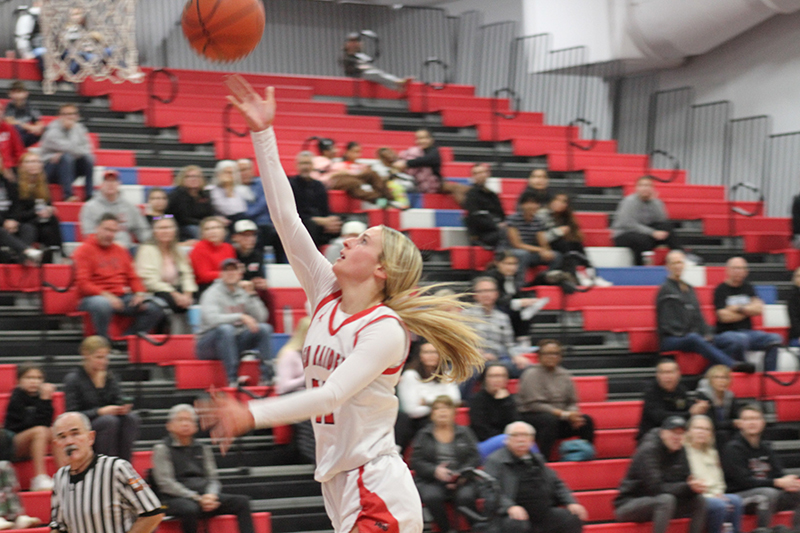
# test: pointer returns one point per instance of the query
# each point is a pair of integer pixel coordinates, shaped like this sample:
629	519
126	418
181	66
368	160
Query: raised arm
310	266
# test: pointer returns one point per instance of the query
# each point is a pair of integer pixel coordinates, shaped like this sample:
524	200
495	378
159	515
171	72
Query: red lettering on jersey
326	419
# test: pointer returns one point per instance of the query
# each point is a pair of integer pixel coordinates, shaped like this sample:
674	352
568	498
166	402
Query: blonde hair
712	443
432	316
227	164
92	344
298	338
718	368
174	249
185	170
28	189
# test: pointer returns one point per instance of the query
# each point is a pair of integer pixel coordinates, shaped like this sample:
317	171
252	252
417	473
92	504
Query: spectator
107	282
232	321
440	452
228	196
520	305
357	179
312	202
421	384
523	241
492	409
321	163
164	268
28	418
539	186
398	182
681	324
547	400
121	501
736	303
13	235
658	485
532	496
793	306
640	222
666	397
424	162
753	471
186	478
357	64
257	210
11	148
494	327
290	377
209	252
22	115
93	390
156	207
350	229
796	221
190	202
67	152
131	222
485	218
705	466
34	206
28	35
245	235
723	405
11	511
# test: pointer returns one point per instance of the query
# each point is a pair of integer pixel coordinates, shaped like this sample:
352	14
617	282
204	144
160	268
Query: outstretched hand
225	417
258	112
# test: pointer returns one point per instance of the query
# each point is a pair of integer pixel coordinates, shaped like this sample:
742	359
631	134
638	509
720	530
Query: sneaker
33	255
5	524
42	482
600	282
747	368
249	355
531	311
25	521
583	279
554	277
693	259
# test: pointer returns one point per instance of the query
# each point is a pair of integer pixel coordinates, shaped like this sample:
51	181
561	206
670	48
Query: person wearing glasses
164	268
131	221
67	152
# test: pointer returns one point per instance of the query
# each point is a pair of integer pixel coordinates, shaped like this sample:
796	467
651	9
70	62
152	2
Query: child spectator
93	390
157	202
20	114
424	162
190	202
11	511
164	268
13	235
290	377
228	196
29	416
34	206
209	252
357	179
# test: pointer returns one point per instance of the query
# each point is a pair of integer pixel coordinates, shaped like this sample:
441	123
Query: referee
97	493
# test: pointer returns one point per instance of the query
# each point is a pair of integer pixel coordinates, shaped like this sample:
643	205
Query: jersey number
326	419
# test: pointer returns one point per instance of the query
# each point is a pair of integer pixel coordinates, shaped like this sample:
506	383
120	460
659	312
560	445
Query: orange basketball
223	30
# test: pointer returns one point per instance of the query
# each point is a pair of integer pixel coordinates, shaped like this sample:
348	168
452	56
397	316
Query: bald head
736	271
676	262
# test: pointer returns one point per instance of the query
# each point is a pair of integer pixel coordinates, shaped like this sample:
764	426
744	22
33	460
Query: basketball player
364	306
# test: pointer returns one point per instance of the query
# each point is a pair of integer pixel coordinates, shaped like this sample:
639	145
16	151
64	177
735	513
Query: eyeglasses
520	435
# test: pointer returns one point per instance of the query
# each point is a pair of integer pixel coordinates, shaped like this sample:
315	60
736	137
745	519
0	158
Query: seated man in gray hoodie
232	320
131	221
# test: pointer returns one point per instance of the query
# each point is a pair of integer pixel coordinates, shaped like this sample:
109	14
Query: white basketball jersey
362	428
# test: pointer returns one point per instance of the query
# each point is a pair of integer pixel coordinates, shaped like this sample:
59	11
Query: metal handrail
227	130
750	187
497	115
575	144
151	90
426	84
676	166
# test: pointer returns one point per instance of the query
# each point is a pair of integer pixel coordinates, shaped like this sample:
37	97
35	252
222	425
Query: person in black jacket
13	235
485	218
34	207
793	306
93	390
357	64
754	472
492	408
666	397
681	325
532	496
311	198
439	452
723	405
796	221
28	418
518	302
189	202
424	162
186	479
539	186
245	236
658	485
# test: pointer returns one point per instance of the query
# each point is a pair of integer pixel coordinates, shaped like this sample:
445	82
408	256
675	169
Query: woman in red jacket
209	252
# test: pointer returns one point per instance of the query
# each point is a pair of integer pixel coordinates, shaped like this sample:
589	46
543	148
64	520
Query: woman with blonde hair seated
715	388
228	196
705	465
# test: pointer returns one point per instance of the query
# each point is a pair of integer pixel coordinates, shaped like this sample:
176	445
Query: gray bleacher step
376	104
596	202
172	158
128	125
278	504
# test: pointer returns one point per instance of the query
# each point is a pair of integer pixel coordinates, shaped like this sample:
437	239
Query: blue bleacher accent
448	217
631	276
68	231
415	200
127	175
278	340
768	293
462	181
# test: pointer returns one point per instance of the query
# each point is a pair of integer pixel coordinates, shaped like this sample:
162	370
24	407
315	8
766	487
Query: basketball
223	30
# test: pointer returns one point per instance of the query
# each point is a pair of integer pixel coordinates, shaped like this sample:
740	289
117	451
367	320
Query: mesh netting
89	38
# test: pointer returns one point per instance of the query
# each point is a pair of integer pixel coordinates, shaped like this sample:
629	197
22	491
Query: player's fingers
269	93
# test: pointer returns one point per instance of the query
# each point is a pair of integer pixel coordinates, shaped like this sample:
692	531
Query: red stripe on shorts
374	516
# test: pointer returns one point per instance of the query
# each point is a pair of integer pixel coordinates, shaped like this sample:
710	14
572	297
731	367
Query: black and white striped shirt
107	497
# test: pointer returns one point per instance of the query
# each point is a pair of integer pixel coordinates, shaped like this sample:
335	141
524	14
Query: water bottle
193	316
727	527
269	258
288	322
